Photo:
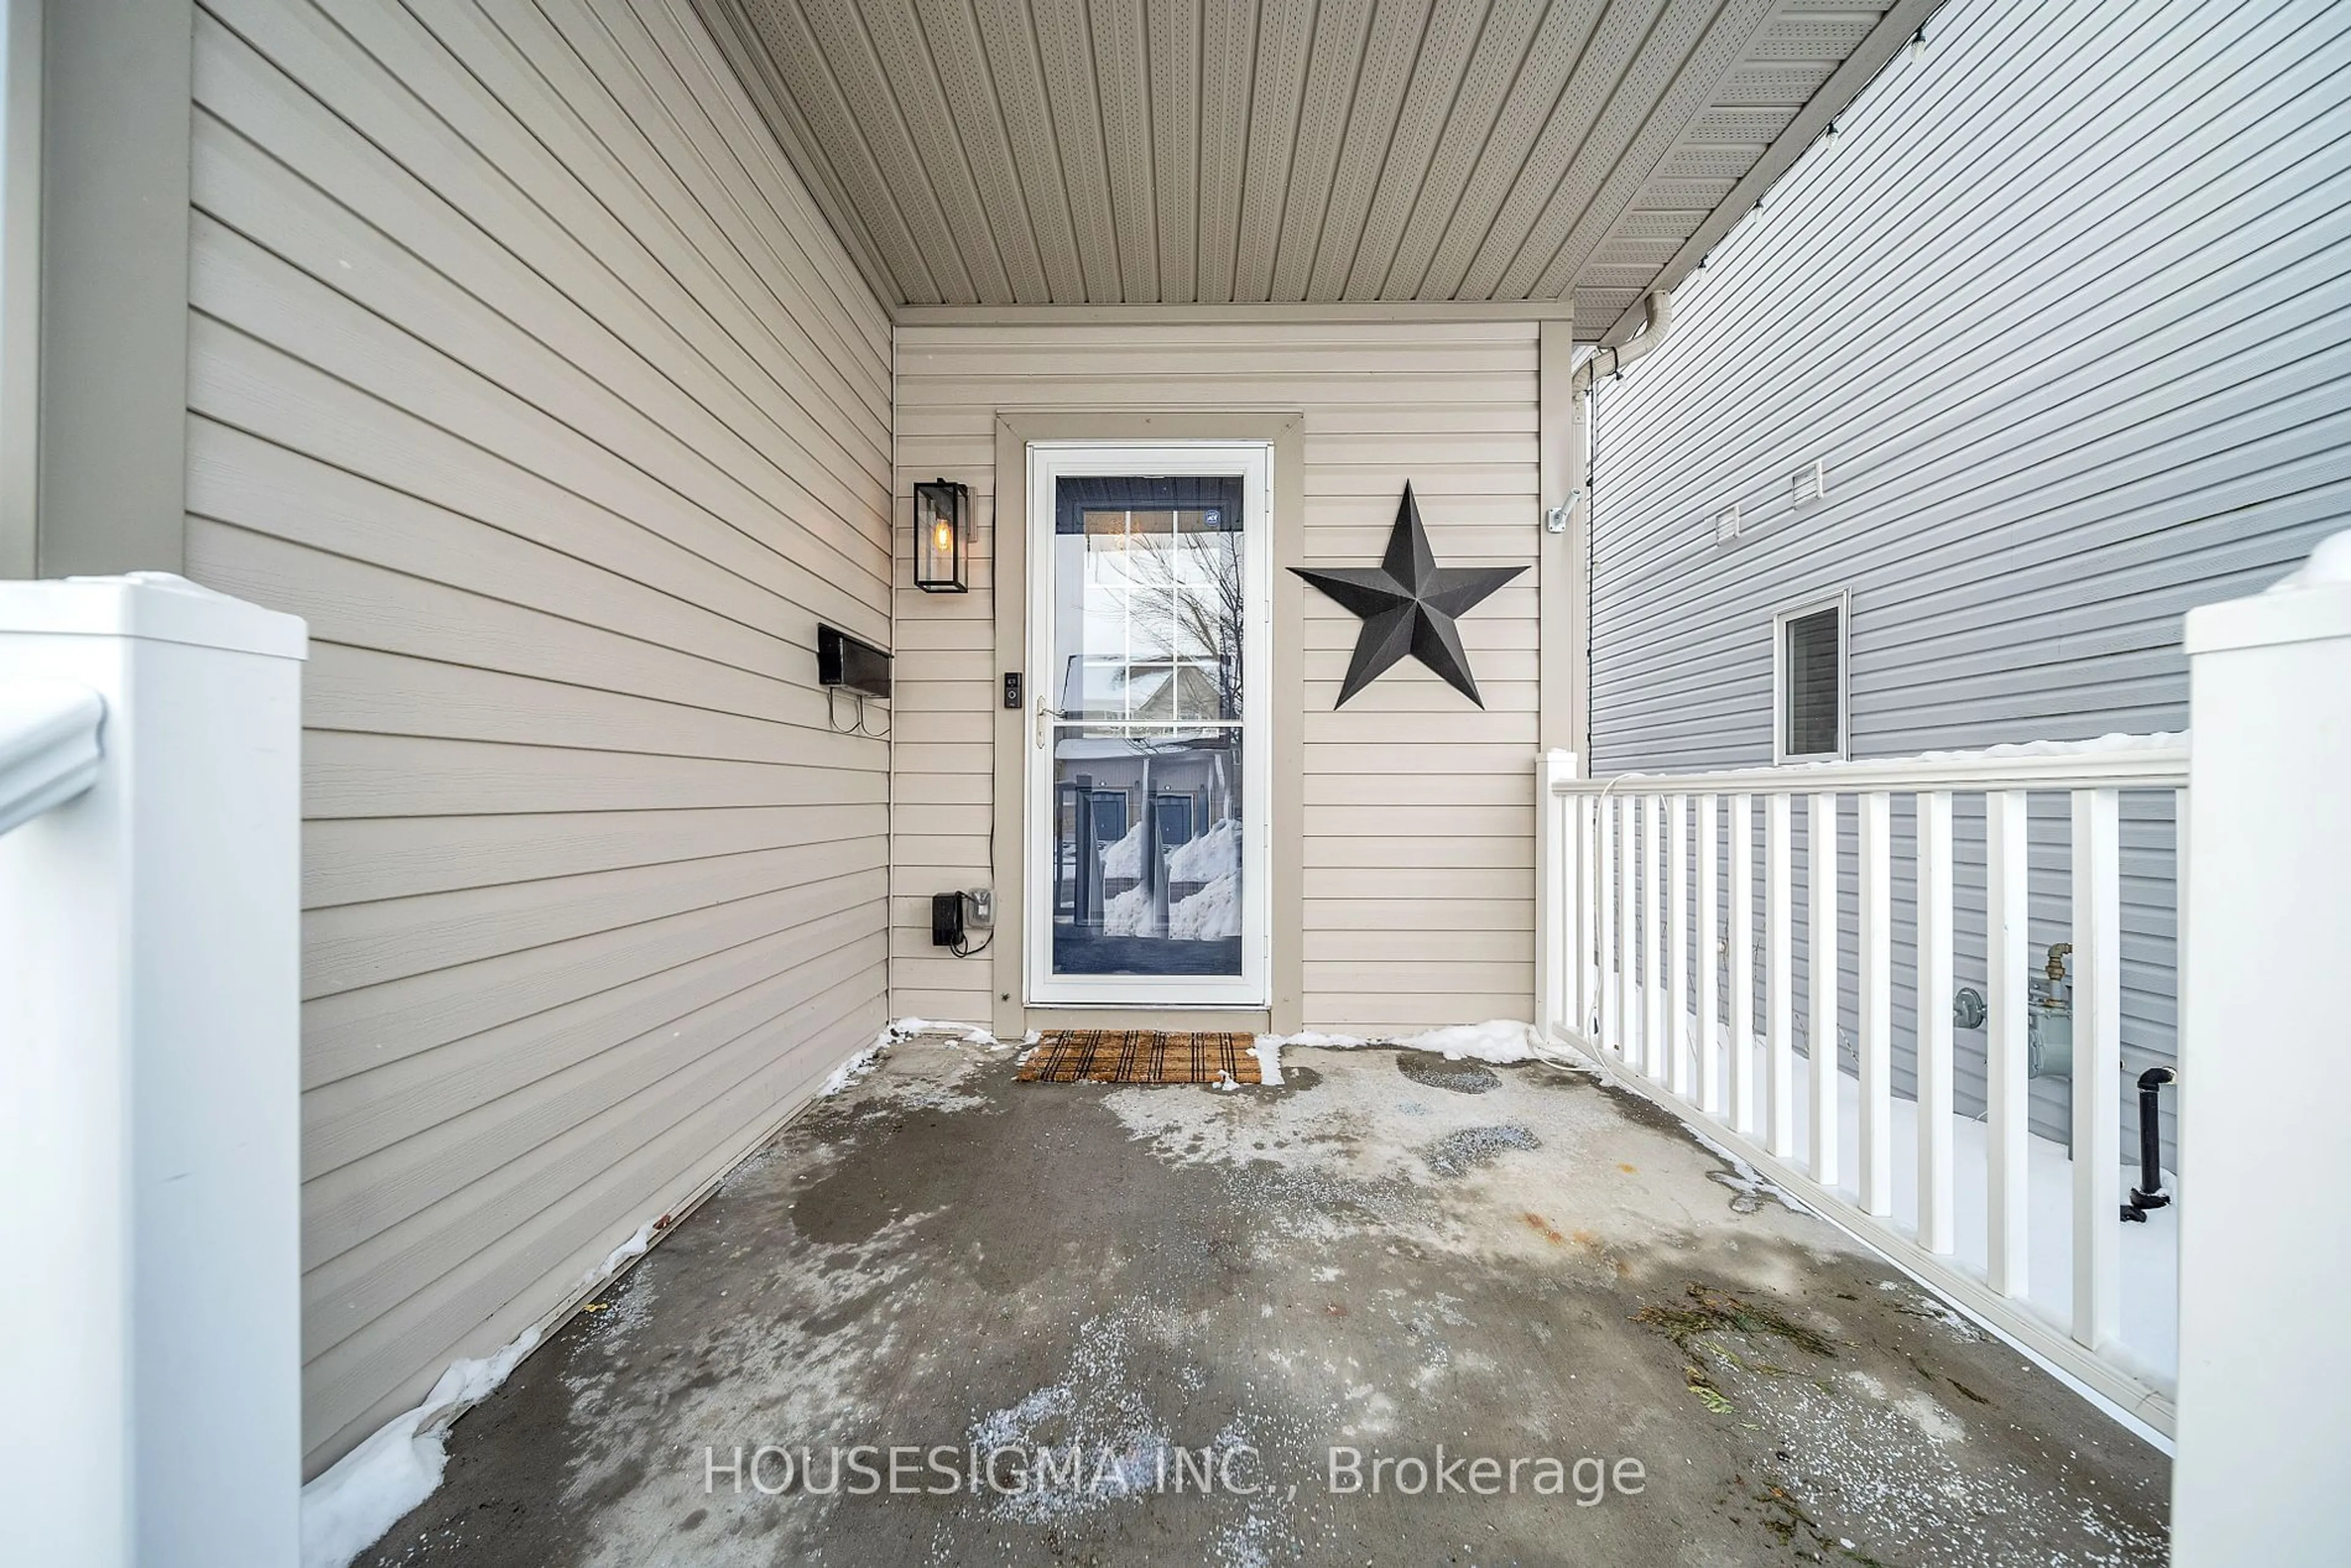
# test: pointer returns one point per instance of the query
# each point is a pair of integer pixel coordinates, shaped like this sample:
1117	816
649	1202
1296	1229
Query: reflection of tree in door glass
1160	633
1186	588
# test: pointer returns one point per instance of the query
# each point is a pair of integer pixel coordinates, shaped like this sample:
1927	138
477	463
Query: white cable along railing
1633	866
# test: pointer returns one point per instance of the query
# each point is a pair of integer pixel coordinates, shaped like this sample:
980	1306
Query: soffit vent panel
1031	152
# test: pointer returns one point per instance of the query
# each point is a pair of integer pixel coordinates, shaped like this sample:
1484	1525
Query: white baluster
1604	944
1628	930
1822	971
2007	1113
1579	957
1780	998
2097	1068
1741	974
1676	1036
1708	1043
1936	1227
1875	1027
1653	936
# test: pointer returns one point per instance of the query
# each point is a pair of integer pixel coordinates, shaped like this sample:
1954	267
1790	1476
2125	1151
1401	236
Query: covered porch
623	558
1188	1326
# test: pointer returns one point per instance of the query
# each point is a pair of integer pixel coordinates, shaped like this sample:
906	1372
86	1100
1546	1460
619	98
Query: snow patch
1497	1040
1750	1185
2113	741
1209	915
1215	854
2329	563
1314	1040
1128	913
620	1257
1110	1444
1268	1051
2158	740
855	1070
1124	858
969	1034
348	1509
1936	1424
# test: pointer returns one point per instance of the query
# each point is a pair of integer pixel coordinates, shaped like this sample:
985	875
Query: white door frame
1048	462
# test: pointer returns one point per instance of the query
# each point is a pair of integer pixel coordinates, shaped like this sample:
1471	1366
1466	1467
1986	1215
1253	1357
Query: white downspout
1657	319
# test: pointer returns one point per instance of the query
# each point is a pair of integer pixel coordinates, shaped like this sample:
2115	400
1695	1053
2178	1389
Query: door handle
1043	713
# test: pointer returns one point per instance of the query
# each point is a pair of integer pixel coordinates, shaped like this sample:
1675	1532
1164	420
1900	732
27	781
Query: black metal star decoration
1409	603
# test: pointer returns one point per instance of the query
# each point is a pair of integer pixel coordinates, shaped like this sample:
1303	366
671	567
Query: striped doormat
1139	1056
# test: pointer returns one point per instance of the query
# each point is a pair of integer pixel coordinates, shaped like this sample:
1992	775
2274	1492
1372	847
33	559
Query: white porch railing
149	1074
1630	865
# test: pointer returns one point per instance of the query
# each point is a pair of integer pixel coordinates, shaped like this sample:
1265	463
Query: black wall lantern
941	535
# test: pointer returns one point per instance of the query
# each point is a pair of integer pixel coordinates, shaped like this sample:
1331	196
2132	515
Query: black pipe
2149	1194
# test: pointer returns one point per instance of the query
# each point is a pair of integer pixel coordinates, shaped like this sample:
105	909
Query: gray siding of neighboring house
524	368
2066	313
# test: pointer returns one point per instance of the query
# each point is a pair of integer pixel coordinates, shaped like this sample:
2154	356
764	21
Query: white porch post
149	963
1557	923
2260	1461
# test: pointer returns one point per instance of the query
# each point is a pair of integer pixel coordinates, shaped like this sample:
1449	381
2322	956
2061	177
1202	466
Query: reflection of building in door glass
1148	852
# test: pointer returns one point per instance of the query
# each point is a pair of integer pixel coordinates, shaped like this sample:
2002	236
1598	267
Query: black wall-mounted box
854	665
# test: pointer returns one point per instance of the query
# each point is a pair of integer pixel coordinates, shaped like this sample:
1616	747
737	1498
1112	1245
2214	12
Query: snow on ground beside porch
2150	1251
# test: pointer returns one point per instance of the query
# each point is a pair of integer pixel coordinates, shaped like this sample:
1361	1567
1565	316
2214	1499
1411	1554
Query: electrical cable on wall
856	725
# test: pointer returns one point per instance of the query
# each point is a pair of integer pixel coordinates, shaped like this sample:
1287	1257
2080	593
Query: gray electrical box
953	916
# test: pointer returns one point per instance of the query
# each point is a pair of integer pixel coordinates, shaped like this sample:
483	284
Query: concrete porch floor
1390	1252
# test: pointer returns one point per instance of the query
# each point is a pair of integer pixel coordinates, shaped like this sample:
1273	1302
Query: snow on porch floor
1388	1252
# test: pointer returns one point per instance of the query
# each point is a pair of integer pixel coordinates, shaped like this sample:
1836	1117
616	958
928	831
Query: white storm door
1149	771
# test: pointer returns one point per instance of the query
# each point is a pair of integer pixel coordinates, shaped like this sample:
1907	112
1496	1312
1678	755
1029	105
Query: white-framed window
1809	719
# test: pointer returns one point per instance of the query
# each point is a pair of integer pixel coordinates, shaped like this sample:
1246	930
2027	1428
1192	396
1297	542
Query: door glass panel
1149	601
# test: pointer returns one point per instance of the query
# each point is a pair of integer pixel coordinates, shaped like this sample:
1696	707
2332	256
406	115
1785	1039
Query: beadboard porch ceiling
1055	152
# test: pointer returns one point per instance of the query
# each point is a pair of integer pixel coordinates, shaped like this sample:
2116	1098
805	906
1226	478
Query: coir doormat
1139	1056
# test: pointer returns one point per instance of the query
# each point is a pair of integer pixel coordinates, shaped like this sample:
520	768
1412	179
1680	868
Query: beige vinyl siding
524	368
1418	886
